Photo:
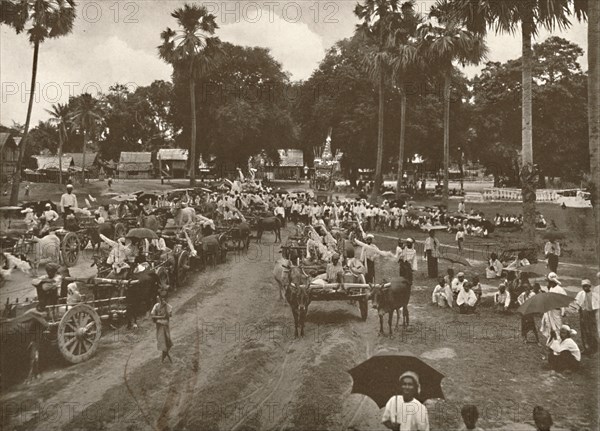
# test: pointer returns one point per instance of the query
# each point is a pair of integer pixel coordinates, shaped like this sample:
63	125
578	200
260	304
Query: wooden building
173	162
135	165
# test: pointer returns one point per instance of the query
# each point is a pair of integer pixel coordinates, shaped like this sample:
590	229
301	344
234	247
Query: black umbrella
543	302
378	376
141	233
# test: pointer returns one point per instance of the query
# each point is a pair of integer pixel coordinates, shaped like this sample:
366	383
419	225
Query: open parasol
417	213
125	198
388	194
455	258
378	376
543	302
553	234
141	233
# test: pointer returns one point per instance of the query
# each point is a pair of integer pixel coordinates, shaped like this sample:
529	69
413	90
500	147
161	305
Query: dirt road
238	366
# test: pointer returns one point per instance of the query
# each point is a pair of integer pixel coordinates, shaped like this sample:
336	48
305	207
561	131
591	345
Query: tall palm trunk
83	157
14	191
60	146
402	137
445	193
378	166
193	143
594	110
528	176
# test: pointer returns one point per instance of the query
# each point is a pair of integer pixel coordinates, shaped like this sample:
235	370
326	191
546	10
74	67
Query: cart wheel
70	249
363	304
120	230
79	333
183	266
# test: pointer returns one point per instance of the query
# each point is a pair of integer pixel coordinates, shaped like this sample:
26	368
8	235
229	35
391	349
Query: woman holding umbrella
405	412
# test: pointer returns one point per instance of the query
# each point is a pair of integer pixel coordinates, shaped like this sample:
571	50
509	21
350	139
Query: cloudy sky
115	41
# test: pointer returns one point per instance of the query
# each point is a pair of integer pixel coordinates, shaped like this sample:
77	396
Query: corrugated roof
172	154
291	158
135	157
90	158
51	162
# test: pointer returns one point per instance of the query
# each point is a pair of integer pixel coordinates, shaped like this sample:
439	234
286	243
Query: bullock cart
358	292
75	328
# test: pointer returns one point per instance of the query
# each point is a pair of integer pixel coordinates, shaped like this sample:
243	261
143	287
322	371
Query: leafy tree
374	29
406	64
444	44
86	117
194	52
507	16
43	19
60	117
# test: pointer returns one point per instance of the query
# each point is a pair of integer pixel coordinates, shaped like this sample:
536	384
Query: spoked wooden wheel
71	245
120	230
79	333
183	266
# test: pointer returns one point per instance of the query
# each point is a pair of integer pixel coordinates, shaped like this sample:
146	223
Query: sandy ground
237	365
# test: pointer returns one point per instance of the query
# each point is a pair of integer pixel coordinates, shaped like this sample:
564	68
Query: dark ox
140	297
213	248
106	229
272	224
293	283
386	299
240	235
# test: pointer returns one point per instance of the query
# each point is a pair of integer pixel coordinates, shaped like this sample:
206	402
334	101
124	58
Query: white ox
38	251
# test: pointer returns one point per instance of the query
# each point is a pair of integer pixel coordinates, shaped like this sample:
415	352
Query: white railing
498	194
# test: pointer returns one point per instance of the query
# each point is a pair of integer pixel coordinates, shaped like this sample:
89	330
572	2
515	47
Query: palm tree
44	19
593	12
194	52
405	62
374	30
443	44
60	117
86	116
505	16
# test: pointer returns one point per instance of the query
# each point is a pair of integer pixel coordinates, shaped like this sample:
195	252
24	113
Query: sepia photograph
313	215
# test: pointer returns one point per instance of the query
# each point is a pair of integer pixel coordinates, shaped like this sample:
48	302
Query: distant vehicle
574	198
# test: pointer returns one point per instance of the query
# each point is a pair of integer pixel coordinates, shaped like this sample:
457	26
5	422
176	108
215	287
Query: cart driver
335	270
47	287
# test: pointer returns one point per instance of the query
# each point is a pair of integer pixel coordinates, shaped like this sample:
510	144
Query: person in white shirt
280	213
588	303
50	215
368	254
527	322
494	268
552	253
441	293
564	354
460	238
502	298
68	202
466	299
457	283
407	259
405	412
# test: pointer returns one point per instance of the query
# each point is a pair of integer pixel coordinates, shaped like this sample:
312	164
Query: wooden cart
74	328
349	292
